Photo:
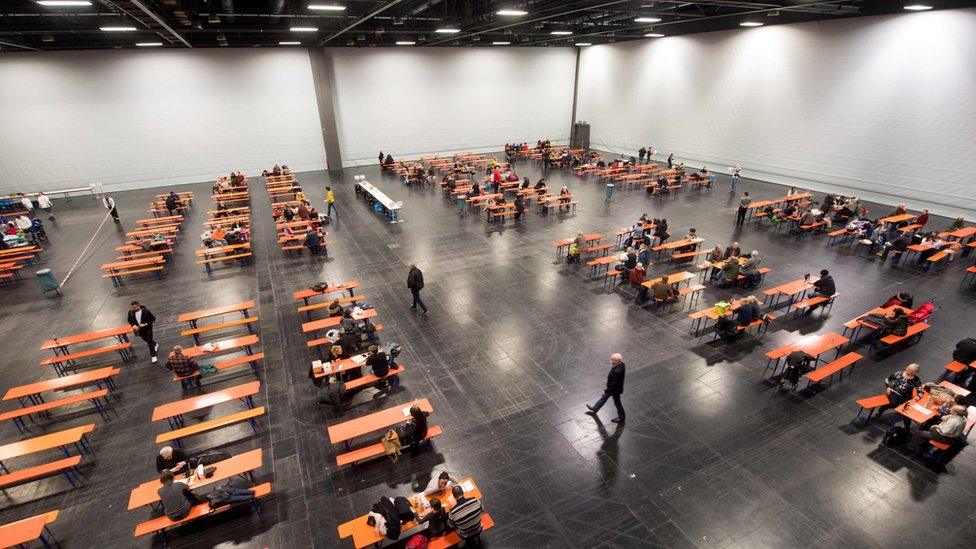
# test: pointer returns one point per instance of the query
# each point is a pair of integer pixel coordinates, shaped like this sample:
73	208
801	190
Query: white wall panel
885	106
145	118
417	101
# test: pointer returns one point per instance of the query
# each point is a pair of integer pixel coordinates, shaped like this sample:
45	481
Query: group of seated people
514	151
175	467
388	515
233	181
22	230
728	325
728	264
303	211
237	233
277	170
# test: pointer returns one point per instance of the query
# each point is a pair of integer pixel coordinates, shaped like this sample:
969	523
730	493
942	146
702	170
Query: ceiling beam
360	21
16	45
156	18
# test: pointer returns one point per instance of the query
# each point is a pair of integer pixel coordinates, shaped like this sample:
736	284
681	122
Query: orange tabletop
192	404
147	492
27	530
164	219
678	244
335	320
672	279
239	219
61	382
357	361
376	421
917	409
710	312
347	285
44	442
364	535
20	249
221	346
898	218
205	252
814	345
134	263
790	288
124	330
879	311
215	311
153	230
605	260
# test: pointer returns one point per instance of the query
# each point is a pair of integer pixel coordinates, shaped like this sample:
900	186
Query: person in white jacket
44	203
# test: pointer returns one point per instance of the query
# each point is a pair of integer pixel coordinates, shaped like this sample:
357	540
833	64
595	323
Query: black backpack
965	351
895	436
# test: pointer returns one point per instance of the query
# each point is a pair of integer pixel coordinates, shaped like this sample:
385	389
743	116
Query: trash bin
47	281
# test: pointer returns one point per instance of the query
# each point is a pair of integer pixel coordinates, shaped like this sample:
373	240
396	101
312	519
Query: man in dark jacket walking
141	320
415	281
615	388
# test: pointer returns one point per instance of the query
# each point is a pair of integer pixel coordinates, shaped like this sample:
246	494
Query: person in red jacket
636	278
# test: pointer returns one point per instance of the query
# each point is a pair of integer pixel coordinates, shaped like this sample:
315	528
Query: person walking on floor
415	281
330	201
141	320
615	388
740	215
109	204
44	203
736	172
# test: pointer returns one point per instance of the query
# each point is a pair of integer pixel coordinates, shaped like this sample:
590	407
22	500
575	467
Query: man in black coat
415	281
141	320
824	287
615	388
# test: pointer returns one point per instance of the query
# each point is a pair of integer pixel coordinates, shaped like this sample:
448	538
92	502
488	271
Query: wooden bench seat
375	450
160	524
452	539
811	227
598	248
937	256
871	404
223	258
210	425
139	255
828	370
219	326
157	269
944	446
370	379
225	364
325	340
813	302
59	359
913	330
688	255
62	466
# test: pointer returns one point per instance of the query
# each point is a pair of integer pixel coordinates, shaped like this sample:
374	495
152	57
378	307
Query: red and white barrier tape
71	271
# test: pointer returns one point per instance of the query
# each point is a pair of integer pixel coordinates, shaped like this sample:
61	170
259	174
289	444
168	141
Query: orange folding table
173	411
27	530
244	464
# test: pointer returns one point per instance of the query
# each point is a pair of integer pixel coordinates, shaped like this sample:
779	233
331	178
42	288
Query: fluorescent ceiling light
304	29
326	7
64	3
117	29
647	20
149	44
561	33
582	44
405	43
917	7
500	43
447	30
512	12
289	43
751	24
653	35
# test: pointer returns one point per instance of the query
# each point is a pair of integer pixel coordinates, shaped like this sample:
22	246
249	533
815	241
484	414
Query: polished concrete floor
515	345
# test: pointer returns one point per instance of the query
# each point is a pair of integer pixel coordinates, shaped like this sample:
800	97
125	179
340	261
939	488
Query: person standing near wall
736	171
44	203
640	155
670	161
330	202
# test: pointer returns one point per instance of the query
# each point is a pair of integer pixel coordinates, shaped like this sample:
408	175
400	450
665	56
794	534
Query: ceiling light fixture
561	33
647	20
149	44
513	13
917	7
63	3
501	43
304	29
582	44
750	24
653	35
326	7
448	30
405	42
289	43
117	29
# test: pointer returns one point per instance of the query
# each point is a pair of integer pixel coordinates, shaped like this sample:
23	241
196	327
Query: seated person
525	183
636	279
750	270
949	429
313	242
730	272
332	392
443	481
157	242
900	386
218	235
663	291
180	364
716	258
748	311
378	364
335	309
899	244
644	253
822	287
541	186
176	498
629	259
435	518
173	460
576	248
896	324
414	429
475	191
465	517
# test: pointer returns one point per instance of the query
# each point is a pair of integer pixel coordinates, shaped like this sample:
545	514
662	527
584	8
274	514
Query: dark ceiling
25	25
